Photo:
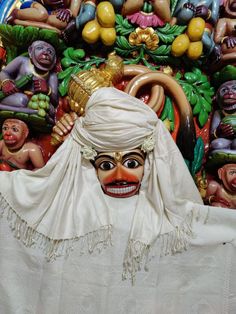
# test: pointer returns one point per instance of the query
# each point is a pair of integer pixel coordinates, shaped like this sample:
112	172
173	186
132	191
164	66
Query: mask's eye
131	163
15	129
106	165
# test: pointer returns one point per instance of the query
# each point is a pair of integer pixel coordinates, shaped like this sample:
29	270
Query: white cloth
201	280
63	202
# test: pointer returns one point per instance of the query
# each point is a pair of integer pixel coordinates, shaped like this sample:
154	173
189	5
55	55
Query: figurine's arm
75	7
215	10
1	146
220	31
63	127
215	122
53	85
35	155
12	69
211	191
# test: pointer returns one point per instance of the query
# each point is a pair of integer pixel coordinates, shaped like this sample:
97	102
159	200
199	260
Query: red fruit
5	167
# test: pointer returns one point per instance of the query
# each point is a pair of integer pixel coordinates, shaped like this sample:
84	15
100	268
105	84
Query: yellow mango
196	28
91	32
195	50
106	14
108	35
180	45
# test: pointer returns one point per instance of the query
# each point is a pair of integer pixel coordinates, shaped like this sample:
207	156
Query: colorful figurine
224	120
223	194
15	151
225	37
40	65
49	14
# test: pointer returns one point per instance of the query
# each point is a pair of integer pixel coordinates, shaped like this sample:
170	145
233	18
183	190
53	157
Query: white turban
63	202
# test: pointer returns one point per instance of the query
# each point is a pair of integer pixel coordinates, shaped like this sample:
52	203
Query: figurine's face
228	176
42	55
14	133
120	173
226	96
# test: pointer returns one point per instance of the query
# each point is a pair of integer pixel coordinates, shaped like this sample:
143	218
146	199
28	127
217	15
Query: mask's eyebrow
137	154
104	156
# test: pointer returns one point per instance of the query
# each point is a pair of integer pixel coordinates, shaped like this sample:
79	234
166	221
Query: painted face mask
120	173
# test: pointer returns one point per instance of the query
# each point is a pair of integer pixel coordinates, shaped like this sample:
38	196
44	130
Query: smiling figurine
15	151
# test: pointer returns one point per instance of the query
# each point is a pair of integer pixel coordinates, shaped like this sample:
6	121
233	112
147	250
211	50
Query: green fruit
41	112
47	99
42	97
42	104
34	98
33	104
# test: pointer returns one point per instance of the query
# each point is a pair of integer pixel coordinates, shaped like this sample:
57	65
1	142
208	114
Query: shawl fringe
52	248
138	253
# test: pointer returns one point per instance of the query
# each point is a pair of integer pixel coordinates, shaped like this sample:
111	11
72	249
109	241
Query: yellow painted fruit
91	32
196	28
106	14
195	50
108	35
180	45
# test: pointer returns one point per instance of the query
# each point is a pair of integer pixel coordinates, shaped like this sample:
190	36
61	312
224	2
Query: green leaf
178	76
198	156
168	113
162	50
197	108
190	77
193	98
168	33
123	43
123	27
202	118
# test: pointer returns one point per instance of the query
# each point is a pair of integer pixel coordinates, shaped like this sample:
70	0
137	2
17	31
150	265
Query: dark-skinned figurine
223	123
39	64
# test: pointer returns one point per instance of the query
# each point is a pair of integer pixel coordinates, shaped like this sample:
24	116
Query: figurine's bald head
42	55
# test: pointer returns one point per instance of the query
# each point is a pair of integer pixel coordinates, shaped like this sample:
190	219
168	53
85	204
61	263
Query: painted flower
147	36
148	144
145	20
88	152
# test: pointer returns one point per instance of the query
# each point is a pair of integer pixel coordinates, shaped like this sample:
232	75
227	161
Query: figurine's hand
64	15
202	11
40	86
63	127
230	42
190	6
216	54
225	130
9	87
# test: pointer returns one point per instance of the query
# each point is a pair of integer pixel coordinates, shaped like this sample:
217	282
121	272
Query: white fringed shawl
63	202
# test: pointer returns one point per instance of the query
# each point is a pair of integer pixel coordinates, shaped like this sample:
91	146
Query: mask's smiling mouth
121	189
